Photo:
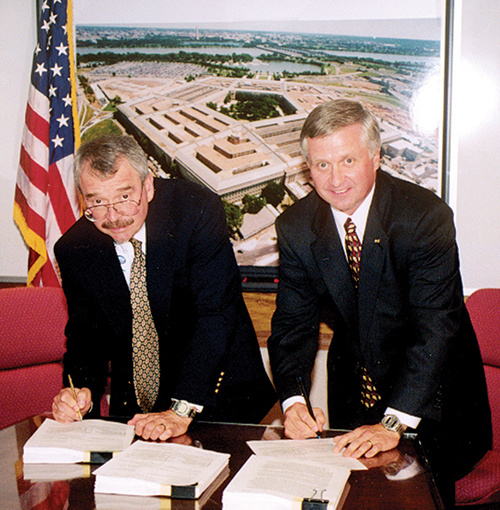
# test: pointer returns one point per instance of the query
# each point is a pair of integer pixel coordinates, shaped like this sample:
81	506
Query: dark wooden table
399	479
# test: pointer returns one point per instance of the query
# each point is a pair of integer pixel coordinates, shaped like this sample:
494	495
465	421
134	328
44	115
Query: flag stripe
38	126
35	198
37	149
37	174
59	199
39	103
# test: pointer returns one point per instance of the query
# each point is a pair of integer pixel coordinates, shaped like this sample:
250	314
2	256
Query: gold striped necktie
145	344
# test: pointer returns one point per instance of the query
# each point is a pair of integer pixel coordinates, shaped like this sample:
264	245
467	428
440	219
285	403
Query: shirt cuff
292	400
406	419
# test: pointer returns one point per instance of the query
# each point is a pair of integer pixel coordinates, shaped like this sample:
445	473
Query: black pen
308	402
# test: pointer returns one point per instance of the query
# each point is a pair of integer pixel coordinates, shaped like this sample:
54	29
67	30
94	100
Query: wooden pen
74	396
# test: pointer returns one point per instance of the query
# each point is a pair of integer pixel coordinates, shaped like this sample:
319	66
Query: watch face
390	422
182	407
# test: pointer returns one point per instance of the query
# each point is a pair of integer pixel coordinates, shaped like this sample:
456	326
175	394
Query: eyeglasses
124	208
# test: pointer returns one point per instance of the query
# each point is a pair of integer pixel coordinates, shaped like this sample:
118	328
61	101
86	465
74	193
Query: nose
113	214
336	177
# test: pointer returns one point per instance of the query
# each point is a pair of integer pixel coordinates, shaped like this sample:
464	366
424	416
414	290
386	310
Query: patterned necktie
145	345
369	395
353	249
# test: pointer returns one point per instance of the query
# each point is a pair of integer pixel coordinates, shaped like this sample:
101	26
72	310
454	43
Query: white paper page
42	455
52	472
60	442
144	467
120	502
264	478
317	450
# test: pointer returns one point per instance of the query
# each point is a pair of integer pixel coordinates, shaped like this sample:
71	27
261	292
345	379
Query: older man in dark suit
195	350
380	255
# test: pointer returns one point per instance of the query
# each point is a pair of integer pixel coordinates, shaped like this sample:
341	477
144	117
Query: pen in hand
74	395
308	402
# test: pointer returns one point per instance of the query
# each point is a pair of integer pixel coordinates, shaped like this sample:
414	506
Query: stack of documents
284	474
79	441
160	469
139	469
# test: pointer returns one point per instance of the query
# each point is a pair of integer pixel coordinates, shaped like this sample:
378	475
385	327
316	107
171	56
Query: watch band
183	408
391	422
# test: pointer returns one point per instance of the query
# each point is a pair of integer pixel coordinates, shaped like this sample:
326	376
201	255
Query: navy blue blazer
209	353
407	324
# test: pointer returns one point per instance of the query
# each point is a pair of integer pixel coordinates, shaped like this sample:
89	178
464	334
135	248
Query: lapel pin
376	241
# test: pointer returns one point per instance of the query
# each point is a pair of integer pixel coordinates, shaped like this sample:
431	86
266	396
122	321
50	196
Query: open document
160	469
284	484
79	441
317	450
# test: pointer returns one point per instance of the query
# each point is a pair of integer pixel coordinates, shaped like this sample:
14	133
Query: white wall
475	130
476	113
17	42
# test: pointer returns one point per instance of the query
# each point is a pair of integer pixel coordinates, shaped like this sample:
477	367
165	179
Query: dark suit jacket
209	354
408	324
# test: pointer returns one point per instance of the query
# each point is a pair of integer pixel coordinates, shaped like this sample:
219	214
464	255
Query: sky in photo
394	18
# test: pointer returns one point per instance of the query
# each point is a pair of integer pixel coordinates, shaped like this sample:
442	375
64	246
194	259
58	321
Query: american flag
46	202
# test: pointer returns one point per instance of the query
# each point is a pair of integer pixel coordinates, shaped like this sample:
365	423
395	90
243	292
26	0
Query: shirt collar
141	236
359	217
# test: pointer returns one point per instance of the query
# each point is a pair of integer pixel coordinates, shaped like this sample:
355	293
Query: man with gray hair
379	255
154	301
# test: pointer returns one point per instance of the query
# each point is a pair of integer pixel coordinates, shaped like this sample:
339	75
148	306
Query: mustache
119	223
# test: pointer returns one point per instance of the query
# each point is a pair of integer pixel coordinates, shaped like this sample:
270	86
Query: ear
149	187
376	160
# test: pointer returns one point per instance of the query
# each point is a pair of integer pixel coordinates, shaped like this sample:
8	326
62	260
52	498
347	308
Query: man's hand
65	407
299	423
160	425
367	440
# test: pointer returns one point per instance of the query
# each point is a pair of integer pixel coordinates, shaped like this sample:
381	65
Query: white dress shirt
125	252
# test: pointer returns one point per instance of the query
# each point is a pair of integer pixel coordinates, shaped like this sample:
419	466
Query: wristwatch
183	408
392	423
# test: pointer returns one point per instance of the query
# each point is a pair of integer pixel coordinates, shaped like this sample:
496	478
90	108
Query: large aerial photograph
220	99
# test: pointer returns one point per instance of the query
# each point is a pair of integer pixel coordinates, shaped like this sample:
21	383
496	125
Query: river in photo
257	65
275	66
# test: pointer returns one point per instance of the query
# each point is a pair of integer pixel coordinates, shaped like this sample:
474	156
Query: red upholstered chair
32	344
482	485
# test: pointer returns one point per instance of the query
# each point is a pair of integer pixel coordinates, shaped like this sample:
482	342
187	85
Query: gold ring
163	425
371	444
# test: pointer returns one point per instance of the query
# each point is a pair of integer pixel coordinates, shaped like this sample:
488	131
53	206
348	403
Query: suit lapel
373	254
329	255
161	251
375	243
